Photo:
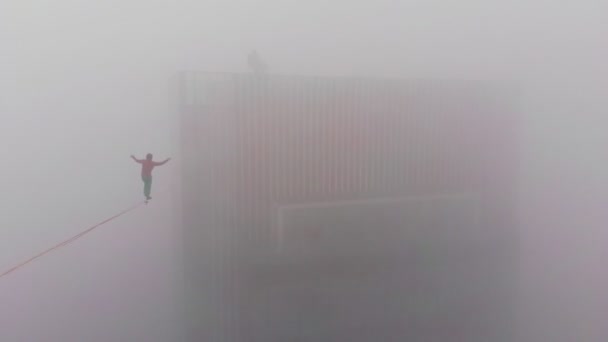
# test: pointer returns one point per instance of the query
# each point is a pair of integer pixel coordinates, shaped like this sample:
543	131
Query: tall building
339	209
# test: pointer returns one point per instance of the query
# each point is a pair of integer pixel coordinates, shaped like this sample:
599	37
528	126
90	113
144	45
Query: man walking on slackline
147	165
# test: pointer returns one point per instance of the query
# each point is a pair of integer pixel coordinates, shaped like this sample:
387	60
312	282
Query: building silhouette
341	209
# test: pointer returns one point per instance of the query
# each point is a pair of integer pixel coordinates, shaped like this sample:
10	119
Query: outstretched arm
136	160
163	162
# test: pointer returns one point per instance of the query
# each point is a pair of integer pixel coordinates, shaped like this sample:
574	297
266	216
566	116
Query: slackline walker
147	165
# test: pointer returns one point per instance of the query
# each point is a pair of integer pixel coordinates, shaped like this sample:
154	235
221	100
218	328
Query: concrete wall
252	146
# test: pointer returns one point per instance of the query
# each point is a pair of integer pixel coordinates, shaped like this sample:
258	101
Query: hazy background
84	84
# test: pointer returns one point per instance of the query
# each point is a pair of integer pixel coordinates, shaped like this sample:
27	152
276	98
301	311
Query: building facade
337	209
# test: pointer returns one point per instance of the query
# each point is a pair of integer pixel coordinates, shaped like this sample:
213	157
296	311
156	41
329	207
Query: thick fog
86	84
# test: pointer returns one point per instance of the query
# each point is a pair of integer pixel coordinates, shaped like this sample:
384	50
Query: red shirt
147	166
